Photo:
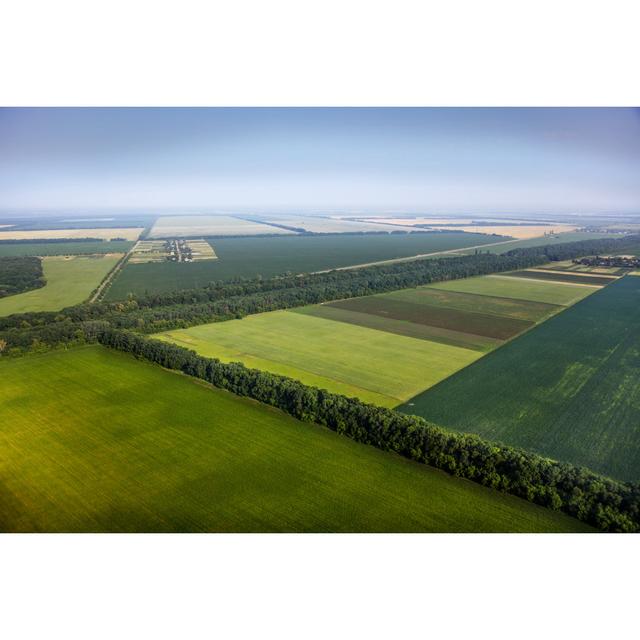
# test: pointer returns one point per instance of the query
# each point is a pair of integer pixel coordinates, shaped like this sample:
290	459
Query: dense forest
18	274
604	503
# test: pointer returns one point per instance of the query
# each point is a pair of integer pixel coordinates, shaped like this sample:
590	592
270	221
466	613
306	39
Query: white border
329	52
313	586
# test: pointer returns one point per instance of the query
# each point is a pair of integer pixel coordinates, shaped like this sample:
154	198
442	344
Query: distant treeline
52	240
578	248
226	301
20	274
599	501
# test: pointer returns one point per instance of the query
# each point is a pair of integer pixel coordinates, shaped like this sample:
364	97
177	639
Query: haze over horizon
433	160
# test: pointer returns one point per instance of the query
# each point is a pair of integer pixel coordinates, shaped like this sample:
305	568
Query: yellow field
411	222
181	226
128	233
520	232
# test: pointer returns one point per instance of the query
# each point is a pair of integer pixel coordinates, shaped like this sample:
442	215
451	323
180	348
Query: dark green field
401	327
575	278
63	248
94	440
481	324
568	389
251	257
493	305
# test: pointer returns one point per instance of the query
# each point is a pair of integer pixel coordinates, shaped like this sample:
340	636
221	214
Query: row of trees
577	248
18	274
51	240
604	503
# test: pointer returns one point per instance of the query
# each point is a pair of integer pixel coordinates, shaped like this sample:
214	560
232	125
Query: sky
415	160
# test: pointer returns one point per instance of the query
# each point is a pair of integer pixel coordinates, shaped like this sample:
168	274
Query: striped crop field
568	389
387	348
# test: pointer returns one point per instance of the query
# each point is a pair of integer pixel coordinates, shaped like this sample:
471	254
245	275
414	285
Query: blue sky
413	160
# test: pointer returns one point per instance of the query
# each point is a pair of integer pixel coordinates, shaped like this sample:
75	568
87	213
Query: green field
63	248
250	257
568	389
506	307
436	315
376	366
69	282
94	440
505	286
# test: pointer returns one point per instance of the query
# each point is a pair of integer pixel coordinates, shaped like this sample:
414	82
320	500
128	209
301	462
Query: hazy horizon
484	161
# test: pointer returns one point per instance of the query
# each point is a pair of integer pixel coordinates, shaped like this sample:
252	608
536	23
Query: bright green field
375	366
69	282
568	389
508	287
94	440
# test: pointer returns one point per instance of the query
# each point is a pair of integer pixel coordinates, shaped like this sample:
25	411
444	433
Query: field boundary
103	287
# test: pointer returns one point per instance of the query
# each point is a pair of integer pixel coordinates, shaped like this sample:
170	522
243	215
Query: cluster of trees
18	274
578	248
604	503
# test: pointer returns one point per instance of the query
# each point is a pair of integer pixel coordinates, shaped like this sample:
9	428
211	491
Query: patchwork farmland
94	440
567	389
385	348
171	251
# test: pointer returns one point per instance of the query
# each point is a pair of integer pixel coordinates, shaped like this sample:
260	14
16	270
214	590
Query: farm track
416	257
112	274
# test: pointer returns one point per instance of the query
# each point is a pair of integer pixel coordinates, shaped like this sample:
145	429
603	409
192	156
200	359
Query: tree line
20	274
604	503
52	240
